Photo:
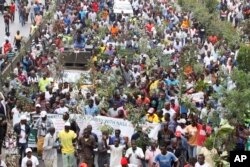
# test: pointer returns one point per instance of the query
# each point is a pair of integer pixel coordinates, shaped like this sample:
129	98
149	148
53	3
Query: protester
67	139
87	144
2	163
22	130
29	157
166	158
43	124
137	66
50	148
3	130
135	154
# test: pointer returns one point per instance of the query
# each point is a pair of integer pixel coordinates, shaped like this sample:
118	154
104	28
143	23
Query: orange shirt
114	30
185	23
140	101
193	134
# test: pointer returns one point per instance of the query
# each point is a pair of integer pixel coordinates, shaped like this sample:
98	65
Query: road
14	27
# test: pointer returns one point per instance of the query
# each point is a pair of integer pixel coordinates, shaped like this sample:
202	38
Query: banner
127	129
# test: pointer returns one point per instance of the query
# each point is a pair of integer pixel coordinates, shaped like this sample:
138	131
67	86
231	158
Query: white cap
182	121
43	114
28	150
172	98
67	123
38	105
23	117
151	110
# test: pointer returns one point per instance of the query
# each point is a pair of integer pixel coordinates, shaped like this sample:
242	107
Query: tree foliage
237	101
205	12
244	58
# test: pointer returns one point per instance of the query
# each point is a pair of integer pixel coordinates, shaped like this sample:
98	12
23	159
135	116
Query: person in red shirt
12	11
149	27
203	132
174	106
142	99
6	47
95	6
213	39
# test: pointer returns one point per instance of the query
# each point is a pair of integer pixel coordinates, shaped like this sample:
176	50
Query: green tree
244	58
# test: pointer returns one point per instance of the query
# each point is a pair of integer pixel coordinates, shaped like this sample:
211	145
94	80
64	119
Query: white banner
127	129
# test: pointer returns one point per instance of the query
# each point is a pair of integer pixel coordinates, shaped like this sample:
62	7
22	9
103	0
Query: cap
67	123
23	117
178	134
182	121
83	165
124	161
43	114
151	110
38	105
28	150
172	98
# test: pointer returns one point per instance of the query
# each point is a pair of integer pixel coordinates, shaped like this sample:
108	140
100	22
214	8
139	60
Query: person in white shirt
201	161
181	126
15	113
2	163
62	109
135	154
116	153
50	149
168	109
29	156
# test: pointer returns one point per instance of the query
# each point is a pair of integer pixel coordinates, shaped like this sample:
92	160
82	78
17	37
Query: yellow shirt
66	139
152	118
43	83
154	85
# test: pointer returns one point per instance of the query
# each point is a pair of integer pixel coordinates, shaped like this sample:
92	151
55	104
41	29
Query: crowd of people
27	11
142	79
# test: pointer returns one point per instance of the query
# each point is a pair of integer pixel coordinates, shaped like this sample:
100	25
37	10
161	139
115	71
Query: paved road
13	28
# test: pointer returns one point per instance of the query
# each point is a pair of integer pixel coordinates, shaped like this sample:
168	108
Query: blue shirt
67	21
165	160
93	111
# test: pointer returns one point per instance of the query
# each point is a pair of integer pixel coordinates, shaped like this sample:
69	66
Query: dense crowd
157	84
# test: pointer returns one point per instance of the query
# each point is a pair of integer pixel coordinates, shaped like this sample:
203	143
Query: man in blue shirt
66	20
166	158
91	109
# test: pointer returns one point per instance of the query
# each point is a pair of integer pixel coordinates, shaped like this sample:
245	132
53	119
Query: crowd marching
159	87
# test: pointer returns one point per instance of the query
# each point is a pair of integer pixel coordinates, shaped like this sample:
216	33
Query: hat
178	134
151	110
172	98
23	117
67	124
43	114
173	70
124	161
38	105
182	121
28	150
83	165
